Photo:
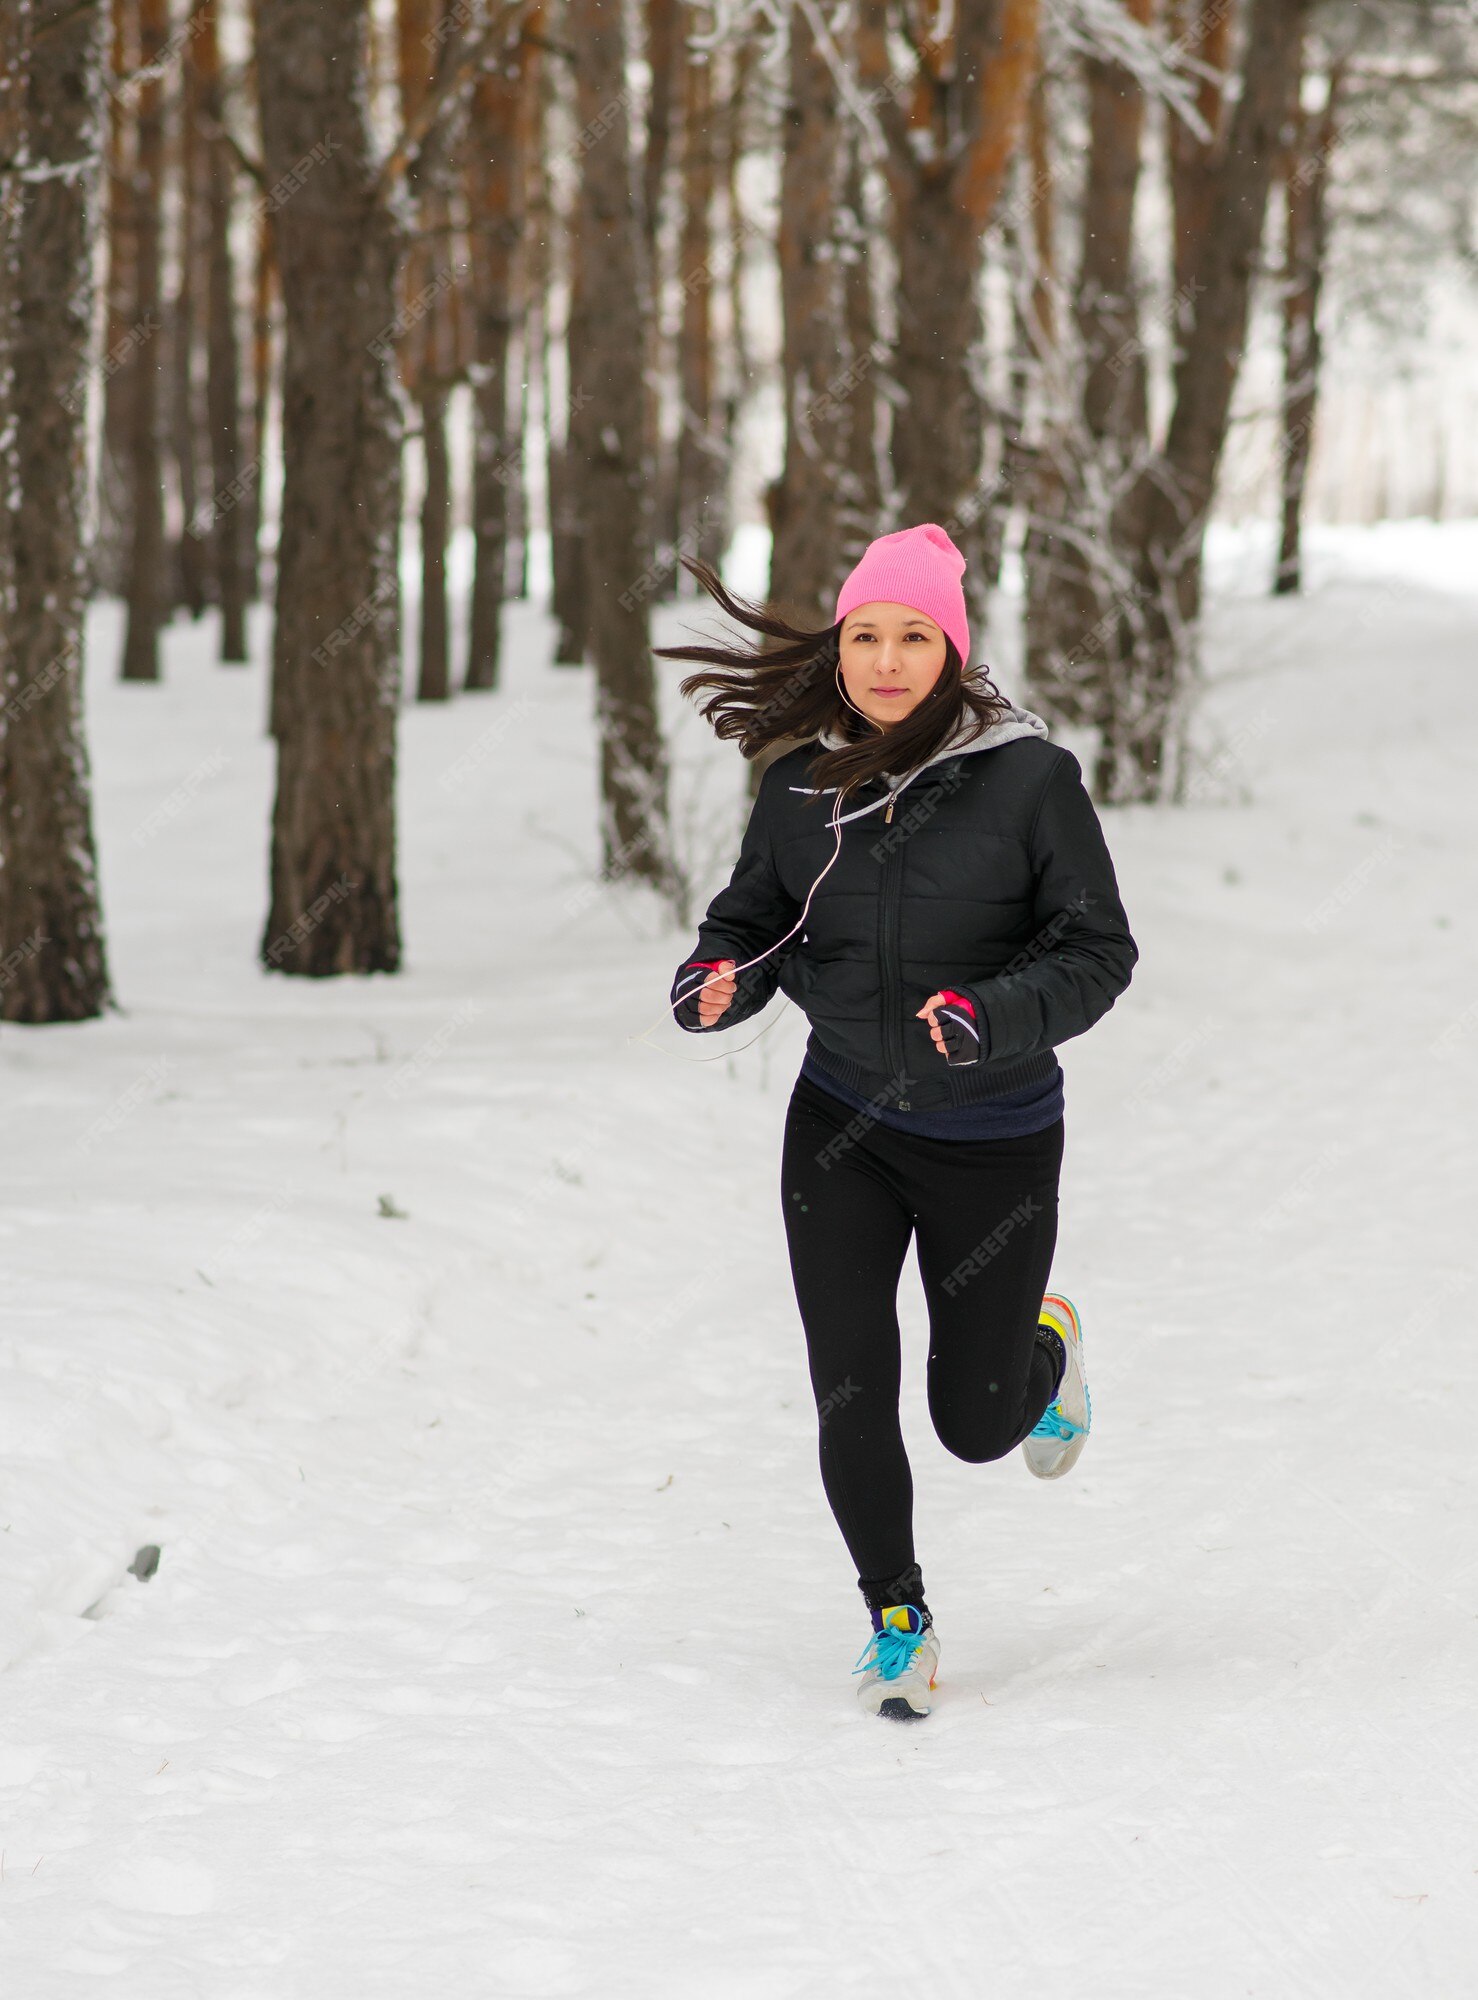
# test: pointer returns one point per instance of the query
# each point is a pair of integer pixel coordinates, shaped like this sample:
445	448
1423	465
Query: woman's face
891	656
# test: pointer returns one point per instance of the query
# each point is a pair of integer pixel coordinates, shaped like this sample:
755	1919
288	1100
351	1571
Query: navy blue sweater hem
1013	1115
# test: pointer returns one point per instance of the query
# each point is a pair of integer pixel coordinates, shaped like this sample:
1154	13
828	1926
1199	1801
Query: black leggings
985	1216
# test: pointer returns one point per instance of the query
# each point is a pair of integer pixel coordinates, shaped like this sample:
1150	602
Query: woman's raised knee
977	1436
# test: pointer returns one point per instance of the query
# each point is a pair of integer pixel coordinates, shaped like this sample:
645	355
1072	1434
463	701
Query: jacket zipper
888	937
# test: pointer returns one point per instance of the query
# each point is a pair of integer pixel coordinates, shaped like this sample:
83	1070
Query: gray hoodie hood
1016	722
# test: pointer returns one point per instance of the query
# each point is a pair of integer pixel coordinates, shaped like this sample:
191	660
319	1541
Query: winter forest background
412	1565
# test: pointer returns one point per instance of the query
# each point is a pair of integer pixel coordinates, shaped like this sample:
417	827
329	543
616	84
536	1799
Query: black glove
958	1026
686	989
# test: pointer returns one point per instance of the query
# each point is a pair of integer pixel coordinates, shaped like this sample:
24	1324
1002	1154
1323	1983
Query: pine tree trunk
1012	455
114	533
567	556
743	58
520	516
1026	475
1045	475
1306	238
496	195
861	494
938	434
702	471
740	65
1202	30
336	647
532	280
52	961
264	285
1101	443
945	180
1159	531
530	315
1105	305
666	51
187	565
806	563
15	49
607	339
425	271
221	526
435	679
567	501
494	444
147	589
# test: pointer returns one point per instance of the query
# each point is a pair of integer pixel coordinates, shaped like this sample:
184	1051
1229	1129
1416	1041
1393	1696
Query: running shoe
1052	1448
898	1664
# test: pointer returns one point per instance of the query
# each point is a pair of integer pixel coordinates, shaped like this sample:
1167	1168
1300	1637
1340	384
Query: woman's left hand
957	1038
926	1013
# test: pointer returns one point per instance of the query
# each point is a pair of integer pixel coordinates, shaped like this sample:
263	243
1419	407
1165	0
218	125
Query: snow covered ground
439	1331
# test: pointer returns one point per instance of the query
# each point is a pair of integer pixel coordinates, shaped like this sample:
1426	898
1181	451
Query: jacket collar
1017	722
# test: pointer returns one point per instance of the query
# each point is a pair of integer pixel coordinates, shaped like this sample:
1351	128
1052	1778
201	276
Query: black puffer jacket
988	874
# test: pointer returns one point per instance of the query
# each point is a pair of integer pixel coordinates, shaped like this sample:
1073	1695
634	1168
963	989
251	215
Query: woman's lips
890	690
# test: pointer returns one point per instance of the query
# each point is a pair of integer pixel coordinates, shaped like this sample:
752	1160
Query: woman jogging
926	877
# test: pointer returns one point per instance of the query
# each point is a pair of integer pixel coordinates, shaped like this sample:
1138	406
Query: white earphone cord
836	823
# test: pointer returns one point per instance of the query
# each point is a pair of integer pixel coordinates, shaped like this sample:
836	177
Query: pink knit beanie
919	567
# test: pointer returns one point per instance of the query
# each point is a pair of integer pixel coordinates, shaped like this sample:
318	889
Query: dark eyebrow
870	624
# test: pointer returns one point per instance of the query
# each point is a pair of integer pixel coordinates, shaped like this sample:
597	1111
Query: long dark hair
789	690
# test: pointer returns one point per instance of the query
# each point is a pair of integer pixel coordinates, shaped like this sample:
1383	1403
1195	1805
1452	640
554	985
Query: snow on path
500	1642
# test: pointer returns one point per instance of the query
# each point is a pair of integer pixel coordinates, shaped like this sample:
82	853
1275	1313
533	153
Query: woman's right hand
716	995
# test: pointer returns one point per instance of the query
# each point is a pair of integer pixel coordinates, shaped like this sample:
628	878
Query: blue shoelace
890	1651
1053	1424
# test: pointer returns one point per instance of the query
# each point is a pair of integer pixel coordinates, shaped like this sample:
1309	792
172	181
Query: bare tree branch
214	129
462	54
